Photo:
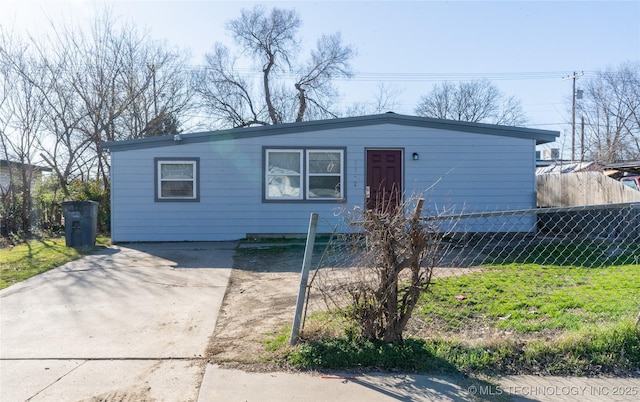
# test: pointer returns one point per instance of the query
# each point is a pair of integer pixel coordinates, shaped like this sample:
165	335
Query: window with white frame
304	174
324	174
177	179
283	174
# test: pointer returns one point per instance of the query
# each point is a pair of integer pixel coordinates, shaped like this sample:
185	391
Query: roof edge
541	136
7	163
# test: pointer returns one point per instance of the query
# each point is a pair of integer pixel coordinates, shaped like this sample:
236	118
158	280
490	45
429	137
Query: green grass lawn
534	298
533	295
33	257
544	319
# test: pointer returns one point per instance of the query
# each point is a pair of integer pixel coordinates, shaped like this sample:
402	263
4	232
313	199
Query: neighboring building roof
569	167
6	163
630	167
540	136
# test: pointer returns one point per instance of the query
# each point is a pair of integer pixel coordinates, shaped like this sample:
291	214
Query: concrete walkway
238	386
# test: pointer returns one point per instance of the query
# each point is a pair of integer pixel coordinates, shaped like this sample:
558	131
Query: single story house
230	184
10	170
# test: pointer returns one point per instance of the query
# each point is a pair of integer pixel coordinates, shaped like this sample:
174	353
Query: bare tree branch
611	109
474	101
330	59
270	38
391	266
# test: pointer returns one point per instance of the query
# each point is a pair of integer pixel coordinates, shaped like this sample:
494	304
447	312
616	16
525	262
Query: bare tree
474	101
385	99
162	103
611	111
75	88
330	59
128	85
285	90
21	114
6	192
225	93
105	84
63	147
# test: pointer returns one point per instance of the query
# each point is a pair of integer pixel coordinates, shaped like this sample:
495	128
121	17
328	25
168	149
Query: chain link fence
523	273
585	236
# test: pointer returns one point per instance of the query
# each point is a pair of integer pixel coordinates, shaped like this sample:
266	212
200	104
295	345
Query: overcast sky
525	48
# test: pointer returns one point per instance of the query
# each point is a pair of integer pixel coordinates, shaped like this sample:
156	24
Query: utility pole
582	140
573	113
155	97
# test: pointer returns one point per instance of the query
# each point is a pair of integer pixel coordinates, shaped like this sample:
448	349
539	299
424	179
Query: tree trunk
273	114
302	106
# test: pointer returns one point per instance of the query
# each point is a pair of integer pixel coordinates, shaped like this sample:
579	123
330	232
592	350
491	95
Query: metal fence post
306	265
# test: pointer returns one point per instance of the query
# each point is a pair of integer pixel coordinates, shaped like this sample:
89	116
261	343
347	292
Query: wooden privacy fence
583	188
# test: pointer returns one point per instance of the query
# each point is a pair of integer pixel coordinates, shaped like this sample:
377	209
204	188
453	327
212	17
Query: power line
499	76
422	76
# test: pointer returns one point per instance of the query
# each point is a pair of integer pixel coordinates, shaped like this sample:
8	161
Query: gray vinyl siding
473	172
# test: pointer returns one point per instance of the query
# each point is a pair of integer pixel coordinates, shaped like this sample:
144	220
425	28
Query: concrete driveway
129	323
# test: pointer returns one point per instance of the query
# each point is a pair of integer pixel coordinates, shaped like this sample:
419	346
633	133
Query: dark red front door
384	178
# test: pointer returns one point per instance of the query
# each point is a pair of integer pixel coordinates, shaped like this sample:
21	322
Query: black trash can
80	222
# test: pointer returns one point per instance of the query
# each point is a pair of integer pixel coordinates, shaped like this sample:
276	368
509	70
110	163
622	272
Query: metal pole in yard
304	276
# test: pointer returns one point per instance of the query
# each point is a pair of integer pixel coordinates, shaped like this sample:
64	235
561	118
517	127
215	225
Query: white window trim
268	175
308	174
304	174
169	161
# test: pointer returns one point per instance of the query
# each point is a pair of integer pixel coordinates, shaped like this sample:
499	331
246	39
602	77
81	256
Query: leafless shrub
391	265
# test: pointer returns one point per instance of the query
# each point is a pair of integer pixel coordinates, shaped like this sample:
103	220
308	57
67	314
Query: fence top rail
536	211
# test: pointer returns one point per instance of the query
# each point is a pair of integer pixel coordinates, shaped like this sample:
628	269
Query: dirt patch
260	302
